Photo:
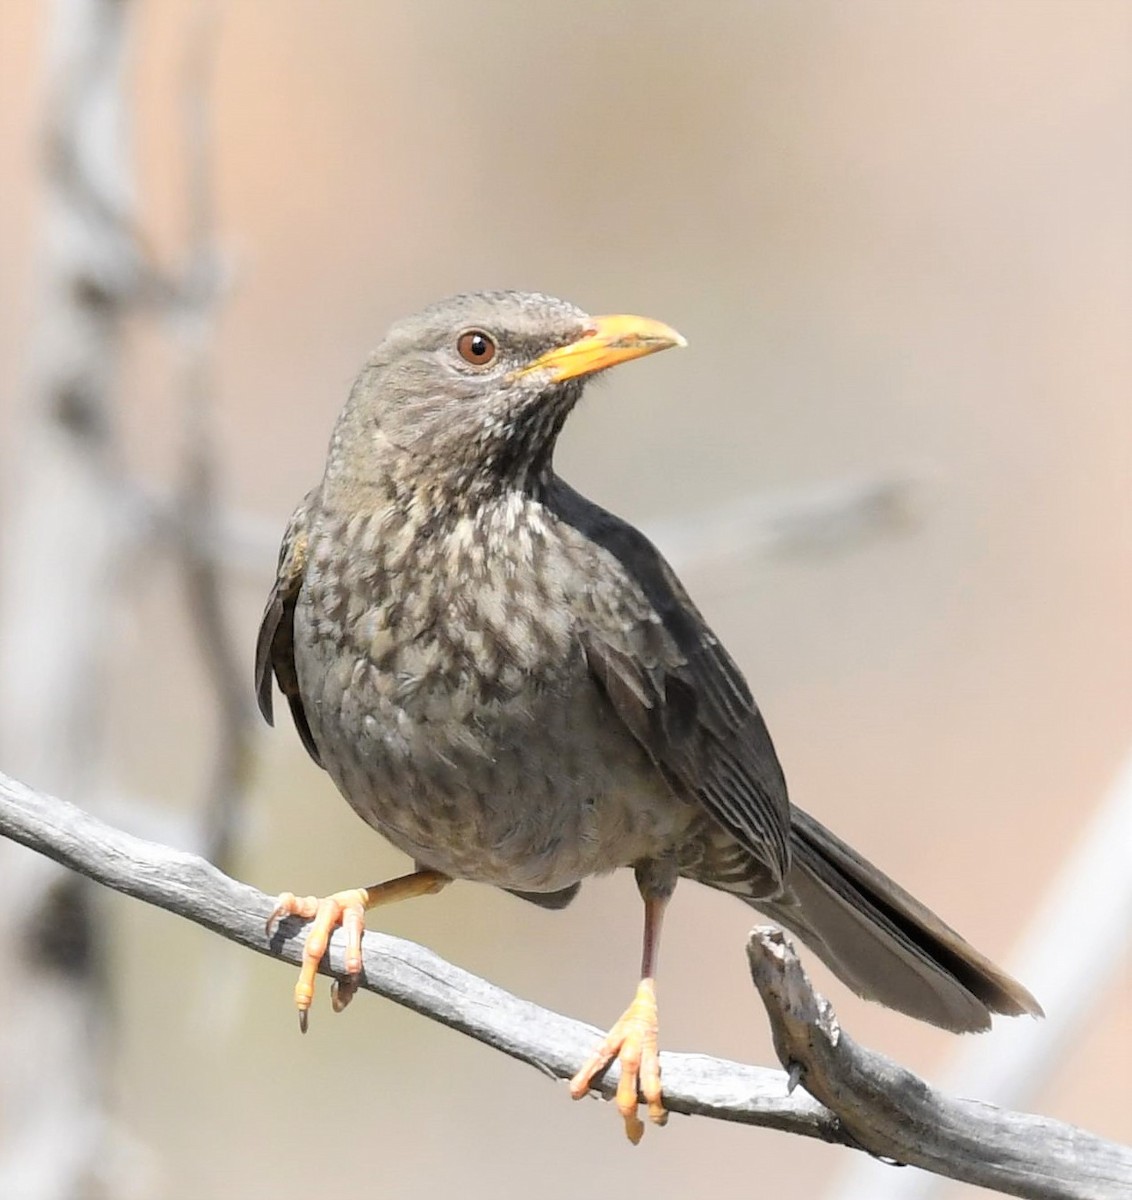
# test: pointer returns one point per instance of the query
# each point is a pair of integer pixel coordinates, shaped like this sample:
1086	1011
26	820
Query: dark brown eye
476	347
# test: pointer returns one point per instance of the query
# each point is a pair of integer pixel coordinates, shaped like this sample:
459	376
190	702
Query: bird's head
470	394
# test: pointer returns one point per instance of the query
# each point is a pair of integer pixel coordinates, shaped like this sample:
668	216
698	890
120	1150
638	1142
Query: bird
512	685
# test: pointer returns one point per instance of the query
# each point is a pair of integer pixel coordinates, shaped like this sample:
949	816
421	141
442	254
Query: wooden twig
872	1103
1067	956
63	553
885	1109
818	519
199	499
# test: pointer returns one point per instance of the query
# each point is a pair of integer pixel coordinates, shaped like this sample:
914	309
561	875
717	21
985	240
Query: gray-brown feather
451	700
275	645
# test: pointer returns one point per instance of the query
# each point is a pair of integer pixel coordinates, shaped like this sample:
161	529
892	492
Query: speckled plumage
512	686
454	701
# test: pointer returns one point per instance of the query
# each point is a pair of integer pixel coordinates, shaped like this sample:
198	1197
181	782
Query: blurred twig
69	534
64	549
819	519
198	502
873	1104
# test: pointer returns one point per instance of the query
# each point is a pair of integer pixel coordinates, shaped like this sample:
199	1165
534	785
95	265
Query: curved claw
342	991
347	909
633	1041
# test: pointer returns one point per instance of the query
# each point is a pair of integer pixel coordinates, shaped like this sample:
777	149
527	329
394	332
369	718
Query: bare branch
876	1104
401	971
63	551
894	1115
815	519
192	326
818	519
1087	910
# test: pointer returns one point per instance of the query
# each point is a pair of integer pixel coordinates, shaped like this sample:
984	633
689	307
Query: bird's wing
676	688
275	646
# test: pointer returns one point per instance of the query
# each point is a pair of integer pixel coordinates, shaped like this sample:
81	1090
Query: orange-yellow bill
607	342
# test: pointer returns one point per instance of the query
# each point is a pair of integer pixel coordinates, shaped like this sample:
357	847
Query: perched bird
511	684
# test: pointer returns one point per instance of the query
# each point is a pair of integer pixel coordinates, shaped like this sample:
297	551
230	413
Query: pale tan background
897	237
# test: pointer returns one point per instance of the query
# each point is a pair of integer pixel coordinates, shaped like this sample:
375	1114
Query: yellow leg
347	909
633	1042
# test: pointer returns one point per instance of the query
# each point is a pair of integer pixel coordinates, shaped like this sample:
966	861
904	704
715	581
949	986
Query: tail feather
882	942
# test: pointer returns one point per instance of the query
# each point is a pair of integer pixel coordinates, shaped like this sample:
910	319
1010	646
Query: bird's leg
347	909
633	1041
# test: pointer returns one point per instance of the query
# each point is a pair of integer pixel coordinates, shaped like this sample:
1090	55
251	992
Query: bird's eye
476	347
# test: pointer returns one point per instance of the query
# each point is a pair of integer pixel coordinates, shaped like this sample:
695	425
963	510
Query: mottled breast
450	699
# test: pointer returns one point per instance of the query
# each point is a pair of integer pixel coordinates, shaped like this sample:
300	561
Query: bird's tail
882	942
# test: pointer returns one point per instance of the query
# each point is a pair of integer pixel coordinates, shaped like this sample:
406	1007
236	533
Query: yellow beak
607	342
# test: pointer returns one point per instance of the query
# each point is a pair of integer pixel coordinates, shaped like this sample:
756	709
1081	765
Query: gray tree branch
199	499
894	1115
63	549
867	1101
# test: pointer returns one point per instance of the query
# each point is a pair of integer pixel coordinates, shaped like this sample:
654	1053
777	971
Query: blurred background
893	467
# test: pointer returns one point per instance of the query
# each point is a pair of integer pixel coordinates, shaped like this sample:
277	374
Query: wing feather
275	645
677	689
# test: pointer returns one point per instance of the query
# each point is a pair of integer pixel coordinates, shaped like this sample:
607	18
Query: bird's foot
633	1042
347	909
